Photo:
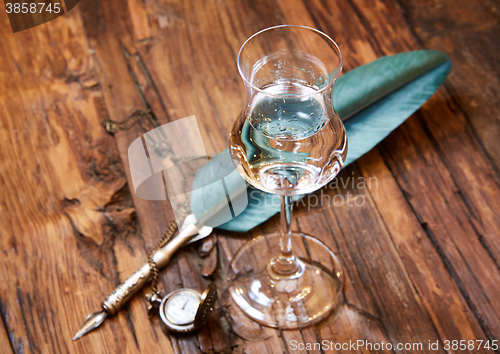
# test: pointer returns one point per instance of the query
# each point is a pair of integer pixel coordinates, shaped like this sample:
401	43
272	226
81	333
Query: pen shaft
136	281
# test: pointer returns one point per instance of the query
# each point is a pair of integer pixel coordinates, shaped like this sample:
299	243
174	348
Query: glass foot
296	301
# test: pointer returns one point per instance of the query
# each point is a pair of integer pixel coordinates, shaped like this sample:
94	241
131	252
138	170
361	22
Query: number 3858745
32	7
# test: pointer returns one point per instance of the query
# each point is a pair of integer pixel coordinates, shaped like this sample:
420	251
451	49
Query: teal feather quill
372	100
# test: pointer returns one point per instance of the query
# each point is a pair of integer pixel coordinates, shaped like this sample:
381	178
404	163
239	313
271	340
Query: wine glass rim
332	77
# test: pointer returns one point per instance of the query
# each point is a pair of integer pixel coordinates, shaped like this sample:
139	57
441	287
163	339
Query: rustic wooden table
421	251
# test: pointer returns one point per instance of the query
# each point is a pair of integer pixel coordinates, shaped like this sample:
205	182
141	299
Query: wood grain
419	240
464	31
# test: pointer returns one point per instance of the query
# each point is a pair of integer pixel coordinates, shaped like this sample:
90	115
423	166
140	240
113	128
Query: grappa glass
288	141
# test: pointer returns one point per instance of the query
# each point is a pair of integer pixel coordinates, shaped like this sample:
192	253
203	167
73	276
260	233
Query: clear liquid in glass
288	140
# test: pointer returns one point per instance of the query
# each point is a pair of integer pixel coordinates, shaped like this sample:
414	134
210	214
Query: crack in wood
465	203
151	82
24	312
142	96
131	327
16	344
448	265
453	97
112	228
283	341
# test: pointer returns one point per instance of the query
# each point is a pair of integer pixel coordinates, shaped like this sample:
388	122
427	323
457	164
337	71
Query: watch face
181	307
186	310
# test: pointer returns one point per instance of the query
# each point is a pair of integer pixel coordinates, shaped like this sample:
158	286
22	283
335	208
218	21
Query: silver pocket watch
184	310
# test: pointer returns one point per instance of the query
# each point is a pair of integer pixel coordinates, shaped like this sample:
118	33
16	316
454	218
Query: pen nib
92	321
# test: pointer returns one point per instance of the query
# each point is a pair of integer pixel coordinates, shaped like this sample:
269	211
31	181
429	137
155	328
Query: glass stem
286	264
